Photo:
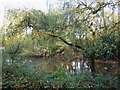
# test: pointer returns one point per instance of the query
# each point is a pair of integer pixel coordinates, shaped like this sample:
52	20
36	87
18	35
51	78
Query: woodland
76	45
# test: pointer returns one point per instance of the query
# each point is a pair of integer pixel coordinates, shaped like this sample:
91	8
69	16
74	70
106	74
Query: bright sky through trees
36	4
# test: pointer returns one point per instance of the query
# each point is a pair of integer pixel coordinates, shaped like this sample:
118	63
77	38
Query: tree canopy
86	26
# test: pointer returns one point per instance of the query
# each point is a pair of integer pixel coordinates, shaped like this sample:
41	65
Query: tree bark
118	65
118	46
92	65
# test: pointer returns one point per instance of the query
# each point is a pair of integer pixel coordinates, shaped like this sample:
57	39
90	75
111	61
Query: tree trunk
92	65
118	54
119	75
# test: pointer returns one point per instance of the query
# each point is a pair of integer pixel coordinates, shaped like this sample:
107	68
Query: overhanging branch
63	40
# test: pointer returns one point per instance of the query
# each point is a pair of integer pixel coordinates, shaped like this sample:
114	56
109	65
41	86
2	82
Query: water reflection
78	66
73	67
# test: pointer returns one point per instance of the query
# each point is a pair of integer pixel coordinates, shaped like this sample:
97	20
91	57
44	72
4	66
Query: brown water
73	66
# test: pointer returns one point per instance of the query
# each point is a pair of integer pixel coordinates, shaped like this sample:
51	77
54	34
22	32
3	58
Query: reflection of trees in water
73	67
83	66
78	66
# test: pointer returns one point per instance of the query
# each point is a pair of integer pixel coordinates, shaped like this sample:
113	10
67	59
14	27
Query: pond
78	65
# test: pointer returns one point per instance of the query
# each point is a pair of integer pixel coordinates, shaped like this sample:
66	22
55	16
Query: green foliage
65	24
22	75
96	39
13	46
17	75
102	48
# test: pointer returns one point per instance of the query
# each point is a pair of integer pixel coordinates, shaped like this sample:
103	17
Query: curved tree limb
70	44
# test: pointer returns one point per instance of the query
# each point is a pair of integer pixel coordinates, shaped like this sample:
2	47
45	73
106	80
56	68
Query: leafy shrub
18	75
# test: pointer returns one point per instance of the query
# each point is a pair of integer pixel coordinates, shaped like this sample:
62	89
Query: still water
72	66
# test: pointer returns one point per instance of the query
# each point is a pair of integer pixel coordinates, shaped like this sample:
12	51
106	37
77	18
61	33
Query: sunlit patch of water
78	66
